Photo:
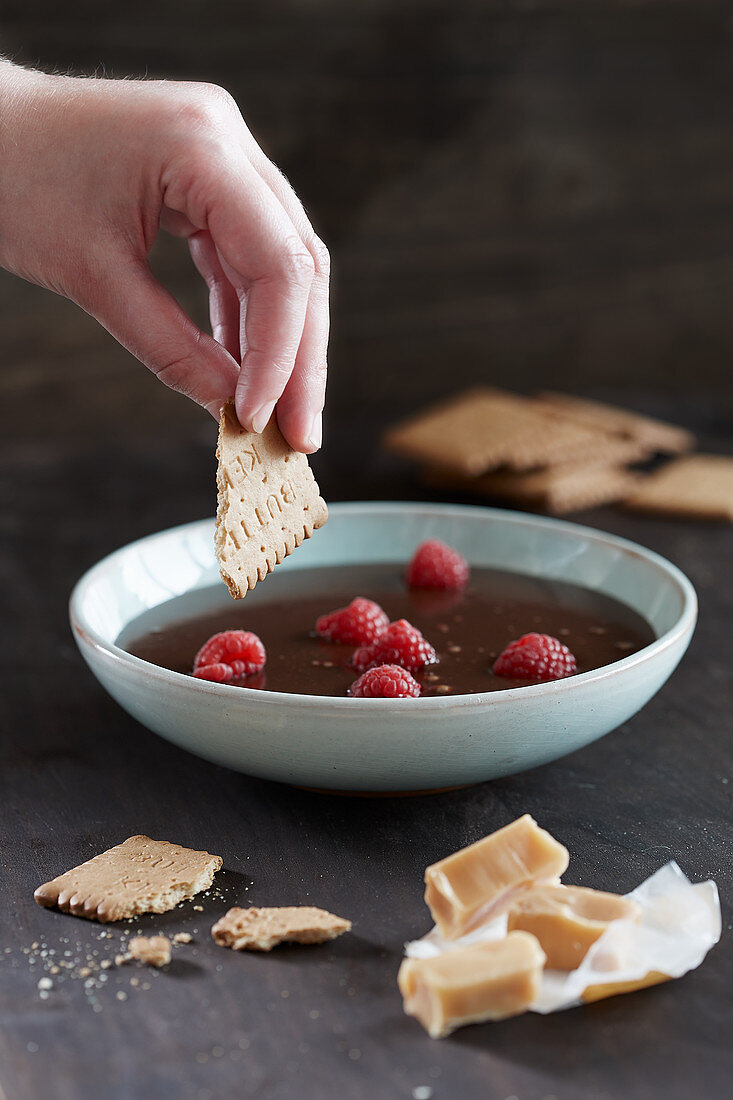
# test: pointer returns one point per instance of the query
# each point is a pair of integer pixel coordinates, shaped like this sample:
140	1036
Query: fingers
141	314
270	270
224	308
300	407
273	323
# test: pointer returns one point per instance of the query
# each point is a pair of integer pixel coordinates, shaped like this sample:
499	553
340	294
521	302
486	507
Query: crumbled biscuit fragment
182	937
258	929
138	876
151	950
268	502
699	486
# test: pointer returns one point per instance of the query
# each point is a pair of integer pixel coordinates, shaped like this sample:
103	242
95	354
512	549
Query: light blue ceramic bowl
381	744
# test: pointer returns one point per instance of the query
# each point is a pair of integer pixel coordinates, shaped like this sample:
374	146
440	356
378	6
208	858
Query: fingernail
316	436
261	418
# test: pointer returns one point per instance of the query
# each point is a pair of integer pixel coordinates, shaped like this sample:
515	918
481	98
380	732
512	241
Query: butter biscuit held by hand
268	502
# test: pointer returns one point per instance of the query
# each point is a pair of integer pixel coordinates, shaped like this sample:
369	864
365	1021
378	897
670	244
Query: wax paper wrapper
679	924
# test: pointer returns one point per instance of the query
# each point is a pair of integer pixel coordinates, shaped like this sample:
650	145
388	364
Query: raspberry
435	565
386	682
229	654
400	644
358	624
218	672
537	657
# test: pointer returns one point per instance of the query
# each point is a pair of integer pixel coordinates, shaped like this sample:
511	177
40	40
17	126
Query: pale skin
91	170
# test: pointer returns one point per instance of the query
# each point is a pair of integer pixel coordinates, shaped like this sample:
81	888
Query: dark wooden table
515	192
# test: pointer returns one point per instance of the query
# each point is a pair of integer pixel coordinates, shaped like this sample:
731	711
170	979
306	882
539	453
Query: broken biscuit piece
261	929
463	889
151	950
268	502
567	920
138	876
486	981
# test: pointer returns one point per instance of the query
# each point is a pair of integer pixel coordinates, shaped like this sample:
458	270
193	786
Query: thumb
147	320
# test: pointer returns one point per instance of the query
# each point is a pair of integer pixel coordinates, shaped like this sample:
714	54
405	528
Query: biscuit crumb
151	950
182	937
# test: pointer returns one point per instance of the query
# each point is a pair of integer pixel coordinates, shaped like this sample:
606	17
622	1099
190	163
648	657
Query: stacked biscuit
561	453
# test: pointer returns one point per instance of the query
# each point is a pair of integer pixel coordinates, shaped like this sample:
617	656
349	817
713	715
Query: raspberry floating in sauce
229	655
538	657
358	624
400	644
437	565
385	682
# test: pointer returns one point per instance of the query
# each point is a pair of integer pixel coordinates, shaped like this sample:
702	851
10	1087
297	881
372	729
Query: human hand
89	172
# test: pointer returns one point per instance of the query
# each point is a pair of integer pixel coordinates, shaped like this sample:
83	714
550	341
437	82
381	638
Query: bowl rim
85	634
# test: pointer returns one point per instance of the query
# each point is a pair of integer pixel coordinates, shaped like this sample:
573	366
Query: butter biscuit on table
268	502
484	429
138	876
569	487
656	435
697	486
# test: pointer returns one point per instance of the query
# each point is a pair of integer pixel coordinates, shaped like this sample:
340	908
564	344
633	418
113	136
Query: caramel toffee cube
487	981
567	920
462	889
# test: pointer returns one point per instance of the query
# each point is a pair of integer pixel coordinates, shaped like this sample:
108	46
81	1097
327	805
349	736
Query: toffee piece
486	981
567	920
464	888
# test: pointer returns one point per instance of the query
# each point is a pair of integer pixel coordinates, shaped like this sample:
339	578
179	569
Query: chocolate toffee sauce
468	629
